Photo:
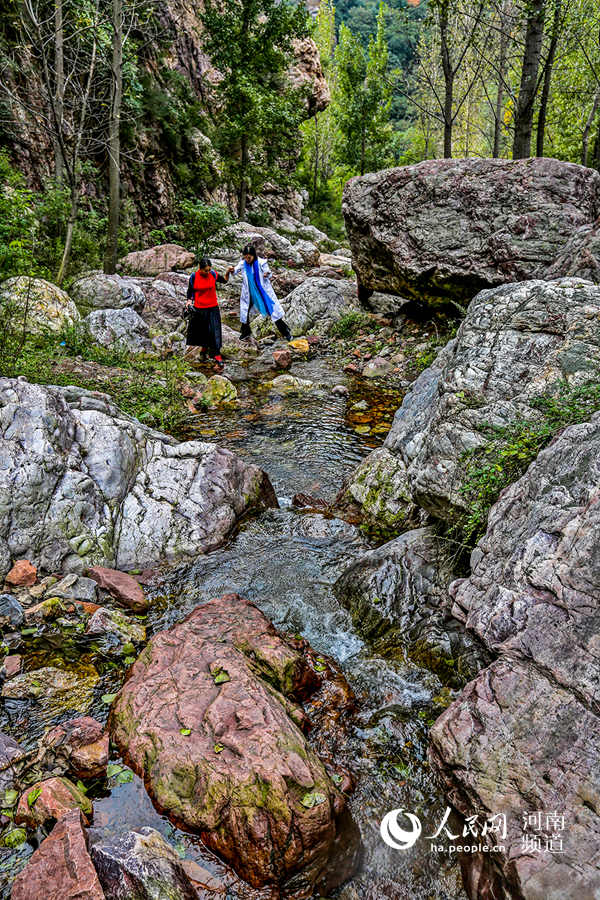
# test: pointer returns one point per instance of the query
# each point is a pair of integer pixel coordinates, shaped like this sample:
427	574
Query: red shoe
219	364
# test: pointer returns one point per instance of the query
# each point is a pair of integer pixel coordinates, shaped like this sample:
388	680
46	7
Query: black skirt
204	329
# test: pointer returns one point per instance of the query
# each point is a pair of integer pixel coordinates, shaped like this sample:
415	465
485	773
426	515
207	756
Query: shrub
350	324
512	448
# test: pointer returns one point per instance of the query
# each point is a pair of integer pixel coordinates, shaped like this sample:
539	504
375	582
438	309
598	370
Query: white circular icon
395	836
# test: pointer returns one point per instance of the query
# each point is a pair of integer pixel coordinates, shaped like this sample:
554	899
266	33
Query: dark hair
249	250
203	262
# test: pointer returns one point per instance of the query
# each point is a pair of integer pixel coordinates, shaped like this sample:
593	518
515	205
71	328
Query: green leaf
337	779
129	660
28	631
81	786
10	797
114	769
14	838
185	731
127	649
108	698
125	776
219	748
313	798
32	796
222	676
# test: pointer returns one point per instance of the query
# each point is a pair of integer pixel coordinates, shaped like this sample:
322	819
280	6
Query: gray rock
309	252
444	229
317	303
516	343
36	306
398	597
11	756
76	587
11	612
266	240
377	368
113	491
122	327
139	864
580	256
100	291
524	735
116	626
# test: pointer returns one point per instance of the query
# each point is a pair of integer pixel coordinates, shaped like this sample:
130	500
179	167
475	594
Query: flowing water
286	562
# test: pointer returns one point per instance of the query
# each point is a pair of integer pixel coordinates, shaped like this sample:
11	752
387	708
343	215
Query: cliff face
167	147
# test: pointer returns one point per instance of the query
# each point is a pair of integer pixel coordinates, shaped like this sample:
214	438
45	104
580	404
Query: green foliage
505	458
250	42
363	99
143	386
349	325
204	225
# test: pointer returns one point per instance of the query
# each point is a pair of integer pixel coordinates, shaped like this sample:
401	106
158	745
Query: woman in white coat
258	293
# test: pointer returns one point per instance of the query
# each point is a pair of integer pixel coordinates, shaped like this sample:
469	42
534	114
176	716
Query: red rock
61	868
86	607
154	260
352	369
22	574
81	744
239	776
121	586
12	665
282	359
57	797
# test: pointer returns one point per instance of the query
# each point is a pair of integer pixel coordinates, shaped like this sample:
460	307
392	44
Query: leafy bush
205	225
489	469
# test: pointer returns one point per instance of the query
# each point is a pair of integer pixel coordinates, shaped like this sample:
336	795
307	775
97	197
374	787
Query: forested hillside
412	81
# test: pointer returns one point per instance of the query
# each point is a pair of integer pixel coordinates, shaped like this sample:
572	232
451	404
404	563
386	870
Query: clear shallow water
286	561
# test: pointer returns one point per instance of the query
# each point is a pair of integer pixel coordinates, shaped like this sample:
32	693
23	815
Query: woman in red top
204	326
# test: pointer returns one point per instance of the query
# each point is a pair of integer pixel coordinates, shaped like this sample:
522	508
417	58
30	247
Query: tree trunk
243	187
59	90
534	35
448	79
541	126
114	141
502	55
64	263
585	144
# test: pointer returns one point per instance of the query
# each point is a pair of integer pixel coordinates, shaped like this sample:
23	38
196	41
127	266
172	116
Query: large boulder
100	291
139	864
209	719
317	303
398	597
113	492
517	343
154	260
61	868
119	328
444	229
35	306
523	738
580	256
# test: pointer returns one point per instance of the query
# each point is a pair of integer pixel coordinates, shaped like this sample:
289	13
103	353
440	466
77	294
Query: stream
286	561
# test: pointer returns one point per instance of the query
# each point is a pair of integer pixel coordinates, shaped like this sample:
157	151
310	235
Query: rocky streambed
360	578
